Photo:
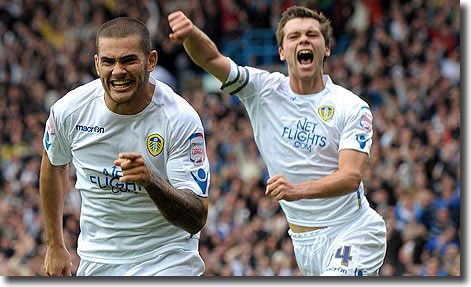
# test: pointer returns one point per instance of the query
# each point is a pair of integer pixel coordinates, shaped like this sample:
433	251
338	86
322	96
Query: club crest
155	144
326	112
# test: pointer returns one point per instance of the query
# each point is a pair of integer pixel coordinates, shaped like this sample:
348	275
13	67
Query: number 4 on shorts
344	254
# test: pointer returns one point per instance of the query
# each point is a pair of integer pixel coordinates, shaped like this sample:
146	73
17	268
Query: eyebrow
121	59
298	31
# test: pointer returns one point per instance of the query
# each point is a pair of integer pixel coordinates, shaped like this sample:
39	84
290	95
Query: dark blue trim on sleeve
244	84
233	81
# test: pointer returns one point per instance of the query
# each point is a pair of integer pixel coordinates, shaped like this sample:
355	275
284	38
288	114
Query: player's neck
307	86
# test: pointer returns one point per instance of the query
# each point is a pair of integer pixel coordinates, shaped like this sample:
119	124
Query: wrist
193	34
302	191
154	182
149	184
55	243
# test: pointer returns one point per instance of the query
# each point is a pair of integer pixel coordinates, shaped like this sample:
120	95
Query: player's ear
152	61
282	54
96	64
327	50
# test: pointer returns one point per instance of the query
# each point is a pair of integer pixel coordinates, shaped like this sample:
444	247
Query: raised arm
198	46
53	182
352	165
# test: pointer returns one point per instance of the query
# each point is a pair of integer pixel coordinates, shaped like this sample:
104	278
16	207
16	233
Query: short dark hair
123	27
303	12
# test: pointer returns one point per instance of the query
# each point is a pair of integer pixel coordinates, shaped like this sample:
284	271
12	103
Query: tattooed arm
181	207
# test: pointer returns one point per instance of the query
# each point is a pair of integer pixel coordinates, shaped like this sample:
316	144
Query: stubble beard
139	91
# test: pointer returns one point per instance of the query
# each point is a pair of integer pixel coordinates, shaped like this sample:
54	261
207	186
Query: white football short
356	248
172	263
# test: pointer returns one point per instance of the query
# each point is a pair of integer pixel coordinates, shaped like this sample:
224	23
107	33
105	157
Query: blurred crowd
402	56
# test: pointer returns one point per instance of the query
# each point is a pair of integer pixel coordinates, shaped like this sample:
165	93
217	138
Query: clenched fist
181	26
278	187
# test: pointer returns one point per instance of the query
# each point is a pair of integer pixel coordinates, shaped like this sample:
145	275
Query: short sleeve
54	140
357	133
246	82
188	165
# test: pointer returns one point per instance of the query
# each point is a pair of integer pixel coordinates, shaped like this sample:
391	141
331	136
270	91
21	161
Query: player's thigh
359	250
308	258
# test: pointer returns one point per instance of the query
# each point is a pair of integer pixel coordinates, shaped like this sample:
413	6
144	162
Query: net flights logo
109	180
304	135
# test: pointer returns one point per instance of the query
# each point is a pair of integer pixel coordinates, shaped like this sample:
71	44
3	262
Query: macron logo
95	129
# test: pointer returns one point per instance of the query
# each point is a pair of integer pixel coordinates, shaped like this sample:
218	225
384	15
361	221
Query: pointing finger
129	155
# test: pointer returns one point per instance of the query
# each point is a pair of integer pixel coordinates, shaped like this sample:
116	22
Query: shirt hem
328	223
192	244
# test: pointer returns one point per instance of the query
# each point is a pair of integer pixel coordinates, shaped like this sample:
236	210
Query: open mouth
121	84
305	57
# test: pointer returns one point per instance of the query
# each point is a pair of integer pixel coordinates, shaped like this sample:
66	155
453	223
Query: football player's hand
181	26
57	262
134	168
278	187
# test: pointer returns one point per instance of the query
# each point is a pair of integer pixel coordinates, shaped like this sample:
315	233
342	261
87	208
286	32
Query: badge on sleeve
197	152
366	121
50	130
197	157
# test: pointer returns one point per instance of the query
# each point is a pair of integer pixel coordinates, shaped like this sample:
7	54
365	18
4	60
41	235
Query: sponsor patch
362	139
366	122
201	178
90	129
155	144
50	130
197	149
326	112
47	140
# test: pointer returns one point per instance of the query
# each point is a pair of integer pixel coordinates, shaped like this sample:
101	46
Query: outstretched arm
352	165
53	182
198	46
180	207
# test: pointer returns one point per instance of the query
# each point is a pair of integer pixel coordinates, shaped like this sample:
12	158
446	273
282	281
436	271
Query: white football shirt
300	136
119	222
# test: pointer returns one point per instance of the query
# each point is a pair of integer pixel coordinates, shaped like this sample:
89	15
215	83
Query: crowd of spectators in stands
402	56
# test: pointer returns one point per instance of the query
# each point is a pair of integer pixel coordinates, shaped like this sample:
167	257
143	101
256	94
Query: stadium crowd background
402	56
